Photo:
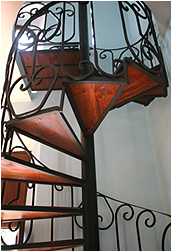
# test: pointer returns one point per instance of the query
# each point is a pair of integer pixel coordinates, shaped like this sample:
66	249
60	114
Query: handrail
134	214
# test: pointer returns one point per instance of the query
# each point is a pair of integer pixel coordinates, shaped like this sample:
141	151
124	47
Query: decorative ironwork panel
140	39
133	227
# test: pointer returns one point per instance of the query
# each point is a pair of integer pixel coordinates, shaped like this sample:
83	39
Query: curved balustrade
58	29
48	42
13	226
139	220
119	215
33	212
52	47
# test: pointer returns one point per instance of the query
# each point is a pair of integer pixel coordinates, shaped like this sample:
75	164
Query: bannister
139	226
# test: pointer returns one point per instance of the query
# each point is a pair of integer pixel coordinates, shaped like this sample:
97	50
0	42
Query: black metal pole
90	219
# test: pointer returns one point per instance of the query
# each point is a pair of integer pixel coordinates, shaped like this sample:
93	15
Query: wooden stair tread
92	99
19	170
50	127
149	97
71	60
145	100
47	246
11	215
141	83
18	213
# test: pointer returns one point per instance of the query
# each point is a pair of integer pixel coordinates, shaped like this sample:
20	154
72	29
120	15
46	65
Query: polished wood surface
53	130
11	215
91	101
149	97
14	171
160	91
138	84
11	188
10	191
71	60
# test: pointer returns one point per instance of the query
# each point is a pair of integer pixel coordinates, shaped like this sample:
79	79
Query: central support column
90	219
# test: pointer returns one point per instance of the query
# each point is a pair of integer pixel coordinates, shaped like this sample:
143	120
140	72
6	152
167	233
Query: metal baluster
3	190
72	205
52	219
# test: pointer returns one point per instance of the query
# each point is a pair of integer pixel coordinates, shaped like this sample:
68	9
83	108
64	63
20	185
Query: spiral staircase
92	93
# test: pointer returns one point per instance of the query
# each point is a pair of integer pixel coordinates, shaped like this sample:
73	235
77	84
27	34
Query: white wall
159	120
125	162
132	148
126	169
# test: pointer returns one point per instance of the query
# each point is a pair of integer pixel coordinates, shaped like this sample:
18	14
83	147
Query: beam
90	219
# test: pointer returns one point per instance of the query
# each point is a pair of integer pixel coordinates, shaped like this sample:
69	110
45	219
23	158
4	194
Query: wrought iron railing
62	32
32	188
144	51
55	26
133	227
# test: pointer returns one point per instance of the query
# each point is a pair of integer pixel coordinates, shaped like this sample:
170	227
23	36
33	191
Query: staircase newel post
90	219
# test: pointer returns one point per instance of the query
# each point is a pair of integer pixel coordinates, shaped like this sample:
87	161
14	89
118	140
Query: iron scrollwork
75	218
115	62
26	10
48	35
145	50
59	188
64	43
147	222
33	78
127	216
133	214
31	81
148	54
18	224
41	33
111	212
10	224
164	236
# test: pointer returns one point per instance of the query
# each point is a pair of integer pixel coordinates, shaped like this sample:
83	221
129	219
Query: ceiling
162	13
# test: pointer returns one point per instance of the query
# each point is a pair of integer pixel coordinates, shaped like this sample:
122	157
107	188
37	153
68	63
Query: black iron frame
130	213
70	211
88	70
139	216
12	123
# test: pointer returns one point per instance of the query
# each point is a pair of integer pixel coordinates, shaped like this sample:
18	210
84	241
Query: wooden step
142	84
145	100
19	170
92	99
71	60
18	213
10	194
50	127
46	246
11	187
149	97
